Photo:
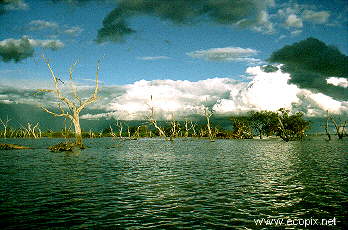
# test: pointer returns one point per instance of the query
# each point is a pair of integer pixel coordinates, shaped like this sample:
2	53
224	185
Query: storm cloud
7	5
19	49
310	63
240	13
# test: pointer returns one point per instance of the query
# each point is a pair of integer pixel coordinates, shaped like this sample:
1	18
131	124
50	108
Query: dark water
185	184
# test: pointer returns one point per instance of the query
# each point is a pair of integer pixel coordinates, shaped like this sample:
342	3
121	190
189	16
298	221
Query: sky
187	54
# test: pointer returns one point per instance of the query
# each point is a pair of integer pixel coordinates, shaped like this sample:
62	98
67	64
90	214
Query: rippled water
189	184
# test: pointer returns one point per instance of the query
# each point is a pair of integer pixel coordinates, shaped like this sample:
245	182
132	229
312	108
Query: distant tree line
259	124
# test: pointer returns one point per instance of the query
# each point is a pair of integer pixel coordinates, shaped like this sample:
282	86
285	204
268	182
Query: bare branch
94	96
57	91
72	68
57	114
74	88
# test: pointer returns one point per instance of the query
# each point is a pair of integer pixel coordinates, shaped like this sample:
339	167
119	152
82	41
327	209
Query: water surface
192	183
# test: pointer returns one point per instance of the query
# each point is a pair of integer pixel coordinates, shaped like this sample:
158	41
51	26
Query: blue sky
169	44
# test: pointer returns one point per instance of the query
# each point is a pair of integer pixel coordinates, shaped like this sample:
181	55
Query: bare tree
175	128
120	128
187	128
5	124
112	132
340	127
208	113
193	127
153	121
128	132
76	104
327	126
32	130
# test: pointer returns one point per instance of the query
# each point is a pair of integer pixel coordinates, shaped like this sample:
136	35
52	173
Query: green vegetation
267	123
64	146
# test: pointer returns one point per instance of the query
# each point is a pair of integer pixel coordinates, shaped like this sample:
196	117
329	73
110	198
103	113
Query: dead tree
32	130
113	135
175	128
340	128
66	130
187	128
193	127
5	124
91	133
119	125
74	105
153	121
208	113
327	126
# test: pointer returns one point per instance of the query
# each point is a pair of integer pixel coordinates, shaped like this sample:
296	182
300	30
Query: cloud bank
19	49
268	89
310	63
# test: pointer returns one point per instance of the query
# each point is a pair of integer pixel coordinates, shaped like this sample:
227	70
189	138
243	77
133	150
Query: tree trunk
283	133
327	129
260	132
209	129
78	133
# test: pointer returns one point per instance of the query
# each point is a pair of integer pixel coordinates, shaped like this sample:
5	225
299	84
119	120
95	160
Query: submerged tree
340	126
75	104
208	112
265	122
326	126
242	127
151	118
283	124
291	127
5	124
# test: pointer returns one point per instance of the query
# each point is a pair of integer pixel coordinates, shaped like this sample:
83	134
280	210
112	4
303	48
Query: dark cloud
241	13
19	49
3	6
16	50
7	5
269	68
73	2
310	62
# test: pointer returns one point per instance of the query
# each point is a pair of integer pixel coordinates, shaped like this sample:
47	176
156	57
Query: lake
185	184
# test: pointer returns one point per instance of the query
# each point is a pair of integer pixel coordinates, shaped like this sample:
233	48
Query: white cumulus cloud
338	81
265	91
49	44
294	21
